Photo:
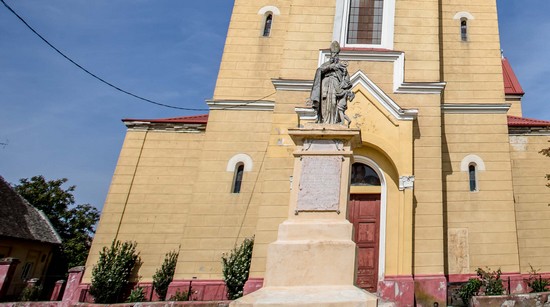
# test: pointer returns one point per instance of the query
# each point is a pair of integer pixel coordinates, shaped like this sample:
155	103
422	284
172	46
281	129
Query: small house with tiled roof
437	174
27	239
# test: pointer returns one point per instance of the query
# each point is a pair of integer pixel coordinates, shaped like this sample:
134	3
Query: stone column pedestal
312	262
57	292
7	269
72	289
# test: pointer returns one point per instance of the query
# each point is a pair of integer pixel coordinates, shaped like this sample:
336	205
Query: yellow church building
440	173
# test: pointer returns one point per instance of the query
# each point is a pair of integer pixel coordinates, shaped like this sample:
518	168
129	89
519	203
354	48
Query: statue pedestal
312	263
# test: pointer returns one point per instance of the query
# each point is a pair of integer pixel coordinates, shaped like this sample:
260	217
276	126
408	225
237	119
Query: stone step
382	303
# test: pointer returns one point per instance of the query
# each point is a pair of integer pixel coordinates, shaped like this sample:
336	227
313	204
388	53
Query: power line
94	75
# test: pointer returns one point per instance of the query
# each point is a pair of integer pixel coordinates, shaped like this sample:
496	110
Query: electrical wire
94	75
114	86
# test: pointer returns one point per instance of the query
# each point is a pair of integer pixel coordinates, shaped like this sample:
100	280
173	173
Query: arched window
238	178
472	175
363	175
267	24
464	29
472	164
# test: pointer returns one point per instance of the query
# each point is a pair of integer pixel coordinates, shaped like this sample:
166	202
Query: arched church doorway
364	213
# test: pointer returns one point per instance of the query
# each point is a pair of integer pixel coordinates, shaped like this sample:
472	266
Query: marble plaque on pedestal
319	188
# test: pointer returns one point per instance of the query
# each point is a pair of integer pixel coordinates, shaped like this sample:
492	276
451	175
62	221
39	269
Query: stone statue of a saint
331	90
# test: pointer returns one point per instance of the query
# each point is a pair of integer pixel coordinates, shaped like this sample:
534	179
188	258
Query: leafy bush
180	296
163	276
491	281
31	293
137	295
536	282
469	289
236	266
111	274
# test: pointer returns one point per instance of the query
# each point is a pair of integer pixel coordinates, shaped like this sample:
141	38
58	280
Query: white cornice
476	108
246	105
390	105
513	96
305	113
398	59
362	79
292	85
420	88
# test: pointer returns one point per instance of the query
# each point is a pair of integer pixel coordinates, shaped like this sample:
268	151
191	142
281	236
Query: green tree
111	275
74	224
236	266
164	275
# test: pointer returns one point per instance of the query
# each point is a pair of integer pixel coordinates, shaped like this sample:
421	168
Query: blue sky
59	122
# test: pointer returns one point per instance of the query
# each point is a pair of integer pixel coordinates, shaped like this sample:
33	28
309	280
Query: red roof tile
511	83
514	121
196	119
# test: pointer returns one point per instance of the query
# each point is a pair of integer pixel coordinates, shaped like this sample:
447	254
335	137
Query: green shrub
180	296
163	276
136	295
111	275
491	281
469	289
236	266
536	282
31	293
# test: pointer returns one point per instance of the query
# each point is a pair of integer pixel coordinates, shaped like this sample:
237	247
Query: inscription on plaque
319	188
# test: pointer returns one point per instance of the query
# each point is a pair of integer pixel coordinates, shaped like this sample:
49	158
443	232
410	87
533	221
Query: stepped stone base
322	296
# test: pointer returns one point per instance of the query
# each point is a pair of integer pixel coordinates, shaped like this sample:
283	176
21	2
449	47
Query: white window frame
341	25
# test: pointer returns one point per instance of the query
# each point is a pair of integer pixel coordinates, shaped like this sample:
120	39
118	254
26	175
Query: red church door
364	214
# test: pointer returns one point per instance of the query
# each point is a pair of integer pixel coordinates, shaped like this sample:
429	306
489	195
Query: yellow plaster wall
472	69
481	222
428	200
217	218
532	199
149	197
416	33
250	61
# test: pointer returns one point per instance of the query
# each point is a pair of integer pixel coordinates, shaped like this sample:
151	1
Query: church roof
20	220
511	83
514	121
196	119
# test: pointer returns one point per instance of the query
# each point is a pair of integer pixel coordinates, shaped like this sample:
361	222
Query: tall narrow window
238	178
464	29
473	177
365	22
267	25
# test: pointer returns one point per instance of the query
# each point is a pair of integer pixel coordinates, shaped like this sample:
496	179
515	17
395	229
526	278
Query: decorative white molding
248	105
469	159
461	15
475	108
513	96
406	182
392	107
383	213
420	88
292	85
245	159
398	59
306	113
362	79
341	23
269	8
